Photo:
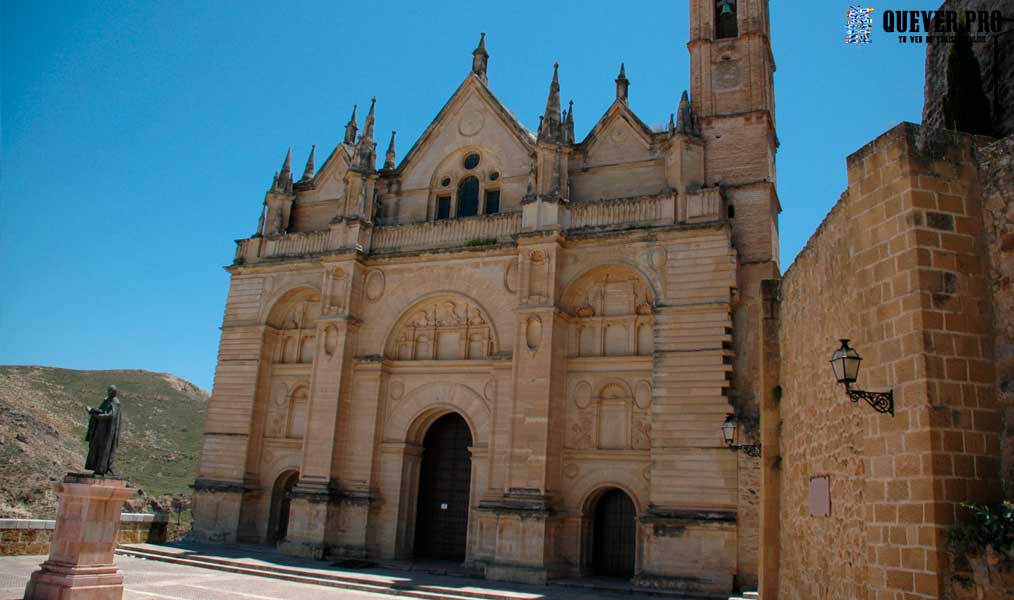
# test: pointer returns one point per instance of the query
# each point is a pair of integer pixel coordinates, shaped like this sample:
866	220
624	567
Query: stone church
512	349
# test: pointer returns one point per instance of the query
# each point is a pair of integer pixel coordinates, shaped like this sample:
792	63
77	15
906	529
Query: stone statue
103	433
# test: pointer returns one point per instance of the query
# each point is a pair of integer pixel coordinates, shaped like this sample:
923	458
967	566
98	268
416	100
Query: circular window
471	161
494	176
446	181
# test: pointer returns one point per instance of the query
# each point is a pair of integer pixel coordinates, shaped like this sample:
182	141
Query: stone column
313	511
524	516
80	564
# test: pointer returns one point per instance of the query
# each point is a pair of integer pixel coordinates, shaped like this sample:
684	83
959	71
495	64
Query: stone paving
153	580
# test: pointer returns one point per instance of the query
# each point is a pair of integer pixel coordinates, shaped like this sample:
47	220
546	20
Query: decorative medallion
533	332
646	473
397	390
726	75
375	282
470	123
490	390
510	276
570	470
642	395
582	395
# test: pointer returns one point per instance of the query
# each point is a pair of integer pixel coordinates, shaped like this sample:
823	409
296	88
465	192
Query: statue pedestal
80	565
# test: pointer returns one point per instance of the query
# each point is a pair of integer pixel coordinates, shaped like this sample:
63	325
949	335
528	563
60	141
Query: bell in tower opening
725	19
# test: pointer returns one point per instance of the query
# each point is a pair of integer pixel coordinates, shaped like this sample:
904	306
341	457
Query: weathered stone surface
996	59
594	330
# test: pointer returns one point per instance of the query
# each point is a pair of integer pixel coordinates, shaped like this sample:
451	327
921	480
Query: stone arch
613	383
405	291
616	263
592	496
276	304
442	325
411	417
611	310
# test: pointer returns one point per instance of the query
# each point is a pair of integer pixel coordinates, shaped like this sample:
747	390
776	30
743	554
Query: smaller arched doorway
278	520
444	487
614	535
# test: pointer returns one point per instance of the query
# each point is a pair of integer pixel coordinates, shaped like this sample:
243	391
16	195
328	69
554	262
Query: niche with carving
295	320
611	311
614	418
442	328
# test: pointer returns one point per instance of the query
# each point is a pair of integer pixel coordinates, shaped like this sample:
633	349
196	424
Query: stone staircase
746	596
425	582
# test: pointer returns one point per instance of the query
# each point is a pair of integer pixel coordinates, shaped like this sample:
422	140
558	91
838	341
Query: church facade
511	349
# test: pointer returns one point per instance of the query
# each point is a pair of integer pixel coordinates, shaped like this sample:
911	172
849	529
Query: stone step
329	580
746	596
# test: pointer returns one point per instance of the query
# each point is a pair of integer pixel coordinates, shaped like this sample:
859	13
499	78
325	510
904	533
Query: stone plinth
80	564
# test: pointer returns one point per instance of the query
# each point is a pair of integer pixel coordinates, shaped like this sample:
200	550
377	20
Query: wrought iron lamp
845	363
729	429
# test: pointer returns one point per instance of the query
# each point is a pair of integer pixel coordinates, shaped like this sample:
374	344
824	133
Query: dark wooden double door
614	532
444	482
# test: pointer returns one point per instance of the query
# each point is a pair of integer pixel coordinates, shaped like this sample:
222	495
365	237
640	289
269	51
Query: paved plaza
148	580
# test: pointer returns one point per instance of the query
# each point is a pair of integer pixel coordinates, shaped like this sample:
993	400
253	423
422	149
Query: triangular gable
471	83
341	154
618	110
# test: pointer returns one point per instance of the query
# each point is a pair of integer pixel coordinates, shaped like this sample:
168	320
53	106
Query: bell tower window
468	197
726	25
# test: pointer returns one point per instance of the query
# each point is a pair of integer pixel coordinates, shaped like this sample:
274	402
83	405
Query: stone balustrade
661	209
648	210
451	232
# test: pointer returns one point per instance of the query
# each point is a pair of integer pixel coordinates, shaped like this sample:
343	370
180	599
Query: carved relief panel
296	342
611	418
446	328
538	276
612	315
287	409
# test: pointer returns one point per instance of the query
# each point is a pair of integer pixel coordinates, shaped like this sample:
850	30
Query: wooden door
444	481
615	535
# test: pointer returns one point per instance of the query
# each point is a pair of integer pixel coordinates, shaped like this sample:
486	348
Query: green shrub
988	526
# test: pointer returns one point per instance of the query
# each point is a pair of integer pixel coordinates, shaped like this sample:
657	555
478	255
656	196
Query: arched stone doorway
614	535
278	520
444	483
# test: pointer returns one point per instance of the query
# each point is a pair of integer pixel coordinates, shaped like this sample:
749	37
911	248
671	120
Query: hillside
43	421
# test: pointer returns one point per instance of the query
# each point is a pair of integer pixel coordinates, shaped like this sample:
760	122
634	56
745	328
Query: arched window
725	19
468	197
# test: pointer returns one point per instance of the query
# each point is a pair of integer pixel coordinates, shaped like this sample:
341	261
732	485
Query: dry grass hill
43	422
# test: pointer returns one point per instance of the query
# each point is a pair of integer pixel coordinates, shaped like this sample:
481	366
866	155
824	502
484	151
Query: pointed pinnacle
623	72
481	48
570	112
308	170
373	106
390	147
352	119
556	76
287	164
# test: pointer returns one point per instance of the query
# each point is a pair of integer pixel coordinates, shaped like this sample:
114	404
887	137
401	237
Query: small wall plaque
820	496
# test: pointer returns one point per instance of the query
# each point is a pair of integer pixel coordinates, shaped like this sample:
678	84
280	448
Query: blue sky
138	138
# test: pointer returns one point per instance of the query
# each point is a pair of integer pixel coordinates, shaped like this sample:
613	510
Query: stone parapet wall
33	536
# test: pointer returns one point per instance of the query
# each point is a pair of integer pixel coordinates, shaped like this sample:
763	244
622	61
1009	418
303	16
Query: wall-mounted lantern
729	432
845	363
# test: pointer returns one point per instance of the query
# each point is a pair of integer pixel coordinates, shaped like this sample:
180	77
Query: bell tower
732	96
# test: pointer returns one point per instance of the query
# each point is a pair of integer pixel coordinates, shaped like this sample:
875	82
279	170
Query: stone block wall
899	266
33	536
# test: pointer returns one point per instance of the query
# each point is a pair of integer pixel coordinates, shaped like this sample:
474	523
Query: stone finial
568	124
351	128
622	84
389	157
283	179
685	124
480	58
672	124
370	119
309	168
549	128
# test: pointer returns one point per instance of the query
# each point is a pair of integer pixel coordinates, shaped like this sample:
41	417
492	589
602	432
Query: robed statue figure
103	433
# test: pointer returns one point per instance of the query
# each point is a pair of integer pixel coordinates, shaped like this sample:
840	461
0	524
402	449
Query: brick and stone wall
33	536
900	267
